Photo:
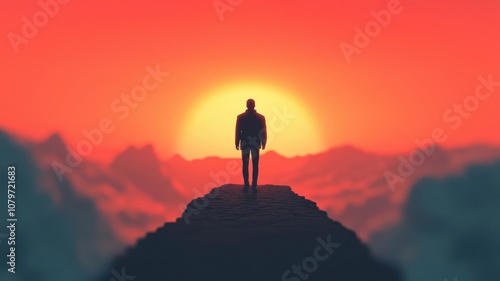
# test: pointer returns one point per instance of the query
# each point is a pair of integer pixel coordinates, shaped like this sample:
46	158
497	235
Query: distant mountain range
347	182
138	191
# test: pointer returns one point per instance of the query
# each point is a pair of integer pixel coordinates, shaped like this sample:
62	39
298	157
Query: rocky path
272	235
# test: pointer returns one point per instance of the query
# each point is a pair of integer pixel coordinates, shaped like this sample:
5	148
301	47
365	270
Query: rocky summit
231	235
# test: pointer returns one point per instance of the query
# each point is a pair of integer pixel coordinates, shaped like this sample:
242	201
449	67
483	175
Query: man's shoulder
261	116
247	114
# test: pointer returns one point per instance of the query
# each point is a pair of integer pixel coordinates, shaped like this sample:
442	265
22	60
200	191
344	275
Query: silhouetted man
251	136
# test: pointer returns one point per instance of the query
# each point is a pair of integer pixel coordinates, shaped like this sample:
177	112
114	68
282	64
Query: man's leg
255	167
245	155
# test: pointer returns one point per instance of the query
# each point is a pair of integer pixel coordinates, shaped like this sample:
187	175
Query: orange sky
428	57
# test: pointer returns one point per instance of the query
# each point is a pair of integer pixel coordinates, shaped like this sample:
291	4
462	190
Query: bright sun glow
210	127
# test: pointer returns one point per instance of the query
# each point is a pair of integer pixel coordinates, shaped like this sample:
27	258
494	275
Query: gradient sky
397	88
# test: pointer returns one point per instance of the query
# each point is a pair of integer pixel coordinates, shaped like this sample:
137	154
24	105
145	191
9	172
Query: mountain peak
273	154
177	157
144	155
345	149
56	139
272	235
54	144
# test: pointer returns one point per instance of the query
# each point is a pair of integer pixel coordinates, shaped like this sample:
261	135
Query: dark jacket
251	129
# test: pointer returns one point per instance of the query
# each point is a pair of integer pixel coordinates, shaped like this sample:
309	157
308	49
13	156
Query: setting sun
209	130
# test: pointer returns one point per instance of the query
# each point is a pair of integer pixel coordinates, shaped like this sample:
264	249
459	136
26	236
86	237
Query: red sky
427	58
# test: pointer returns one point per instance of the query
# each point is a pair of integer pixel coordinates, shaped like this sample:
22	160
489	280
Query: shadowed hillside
230	235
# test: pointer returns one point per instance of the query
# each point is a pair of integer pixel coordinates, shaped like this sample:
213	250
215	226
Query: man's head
250	104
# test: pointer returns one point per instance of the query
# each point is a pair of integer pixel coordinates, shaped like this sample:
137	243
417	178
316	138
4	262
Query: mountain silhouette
142	167
230	235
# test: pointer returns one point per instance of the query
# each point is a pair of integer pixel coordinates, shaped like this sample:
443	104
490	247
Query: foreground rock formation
230	235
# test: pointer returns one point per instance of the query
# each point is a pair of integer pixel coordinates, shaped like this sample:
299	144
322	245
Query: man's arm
237	134
264	133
